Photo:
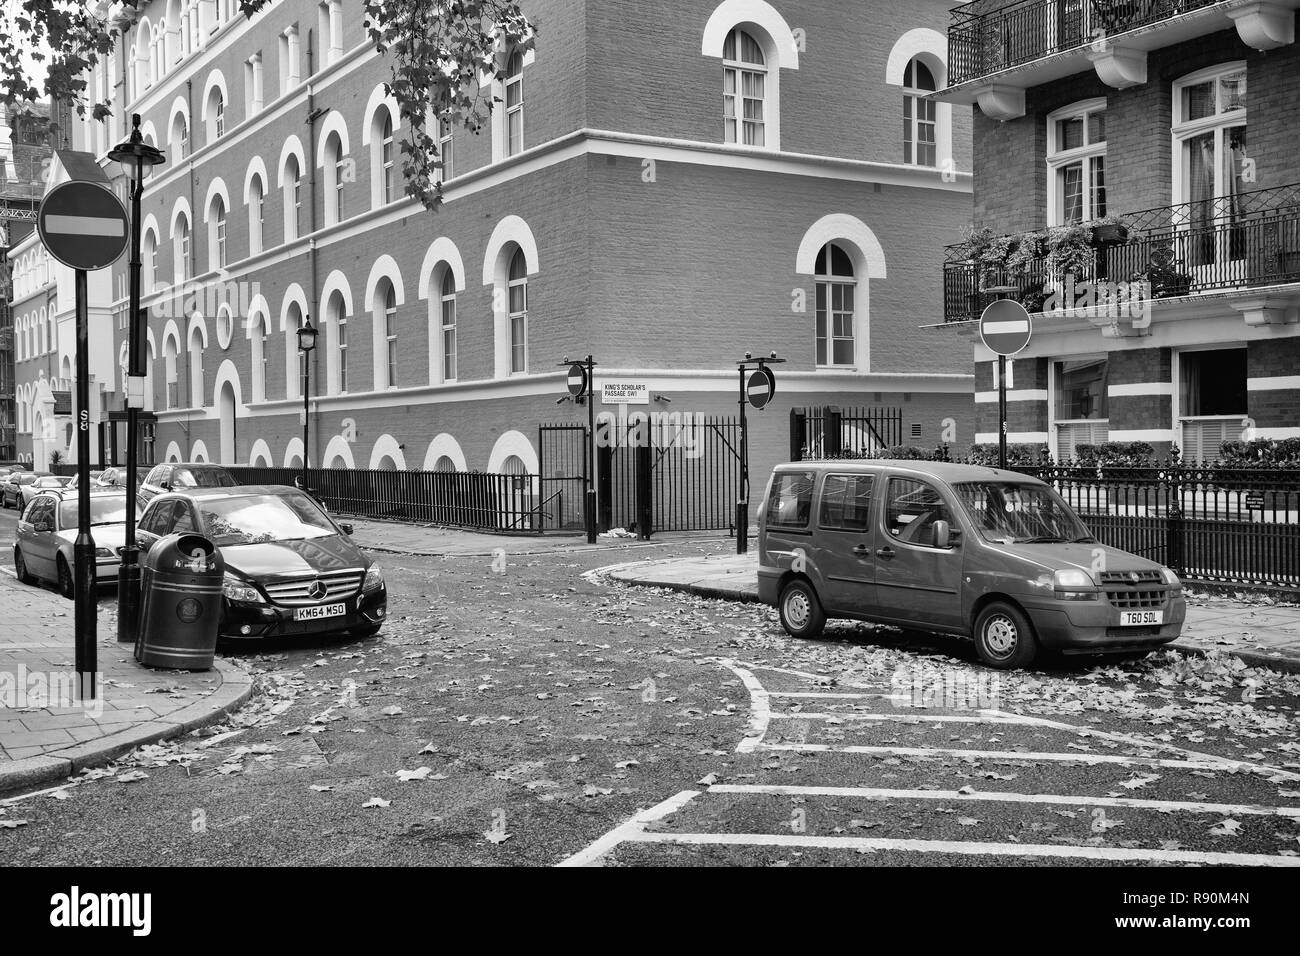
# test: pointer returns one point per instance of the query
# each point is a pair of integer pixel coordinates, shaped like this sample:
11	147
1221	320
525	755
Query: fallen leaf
406	776
1226	828
376	802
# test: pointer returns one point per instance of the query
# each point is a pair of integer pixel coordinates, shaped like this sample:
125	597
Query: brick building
665	186
1176	121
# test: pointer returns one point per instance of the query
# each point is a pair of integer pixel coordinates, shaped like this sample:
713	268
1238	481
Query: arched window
514	105
295	365
920	142
518	298
181	249
260	355
338	322
387	171
217	236
448	325
744	87
216	114
180	135
836	294
386	305
256	215
292	198
196	369
148	261
335	176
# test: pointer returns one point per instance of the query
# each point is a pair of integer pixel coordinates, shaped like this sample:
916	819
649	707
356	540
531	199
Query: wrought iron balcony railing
1245	242
992	35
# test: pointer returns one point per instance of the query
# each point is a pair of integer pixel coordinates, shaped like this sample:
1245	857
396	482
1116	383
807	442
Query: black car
290	568
180	475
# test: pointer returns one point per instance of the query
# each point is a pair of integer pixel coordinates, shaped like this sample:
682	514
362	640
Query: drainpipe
314	356
194	245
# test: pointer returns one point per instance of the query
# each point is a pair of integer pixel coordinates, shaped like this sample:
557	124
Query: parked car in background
19	488
178	476
291	570
959	549
47	532
107	478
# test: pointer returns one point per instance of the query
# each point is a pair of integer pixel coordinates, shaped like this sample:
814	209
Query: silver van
957	549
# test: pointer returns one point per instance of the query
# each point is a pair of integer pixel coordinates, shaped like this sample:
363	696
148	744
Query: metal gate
562	464
833	432
687	464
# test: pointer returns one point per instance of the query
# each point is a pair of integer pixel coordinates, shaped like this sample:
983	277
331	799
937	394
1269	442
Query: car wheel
800	611
67	586
20	568
1004	638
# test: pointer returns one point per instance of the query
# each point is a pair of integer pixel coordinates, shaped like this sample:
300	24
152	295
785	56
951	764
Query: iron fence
1210	523
830	431
459	499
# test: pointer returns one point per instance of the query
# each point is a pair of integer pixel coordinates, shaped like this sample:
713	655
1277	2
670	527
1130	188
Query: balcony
999	48
1246	243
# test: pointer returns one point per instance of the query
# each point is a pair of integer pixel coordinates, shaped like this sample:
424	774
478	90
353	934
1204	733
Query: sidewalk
433	541
1261	635
43	744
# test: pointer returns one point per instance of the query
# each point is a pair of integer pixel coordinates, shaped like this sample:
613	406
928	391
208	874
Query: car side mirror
166	486
942	534
347	529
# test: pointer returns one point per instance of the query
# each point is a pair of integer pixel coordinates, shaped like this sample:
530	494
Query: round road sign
1005	327
761	387
83	225
577	379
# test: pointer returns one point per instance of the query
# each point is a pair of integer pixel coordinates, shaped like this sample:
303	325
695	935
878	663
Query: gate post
832	432
643	490
1175	525
798	433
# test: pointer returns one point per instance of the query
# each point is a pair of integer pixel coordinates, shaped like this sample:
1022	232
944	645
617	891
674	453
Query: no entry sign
577	379
760	387
1005	327
83	225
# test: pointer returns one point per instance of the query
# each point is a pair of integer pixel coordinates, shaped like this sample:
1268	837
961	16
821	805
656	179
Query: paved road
522	713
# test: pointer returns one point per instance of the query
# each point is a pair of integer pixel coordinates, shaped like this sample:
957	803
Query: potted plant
1109	231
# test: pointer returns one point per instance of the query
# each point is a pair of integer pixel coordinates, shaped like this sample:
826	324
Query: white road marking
982	717
960	848
798	693
875	793
759	710
1089	758
630	830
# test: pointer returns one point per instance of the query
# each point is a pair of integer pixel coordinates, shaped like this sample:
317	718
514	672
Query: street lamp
306	345
137	159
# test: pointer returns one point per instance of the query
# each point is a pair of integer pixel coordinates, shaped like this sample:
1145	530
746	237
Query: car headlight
104	553
374	578
1171	579
1074	584
236	589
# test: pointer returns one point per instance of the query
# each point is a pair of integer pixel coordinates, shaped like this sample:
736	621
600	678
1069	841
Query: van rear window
790	503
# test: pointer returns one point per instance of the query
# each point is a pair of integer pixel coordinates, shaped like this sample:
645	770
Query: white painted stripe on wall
1272	383
1015	438
1013	395
1290	432
1135	389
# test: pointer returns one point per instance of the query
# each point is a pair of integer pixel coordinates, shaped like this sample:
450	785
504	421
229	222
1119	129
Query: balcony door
1213	170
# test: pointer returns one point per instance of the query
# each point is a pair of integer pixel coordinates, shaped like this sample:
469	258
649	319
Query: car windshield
202	478
104	509
256	519
26	479
1017	513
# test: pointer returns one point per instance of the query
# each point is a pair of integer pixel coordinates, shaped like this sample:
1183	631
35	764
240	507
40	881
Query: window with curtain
920	146
1210	130
744	89
836	295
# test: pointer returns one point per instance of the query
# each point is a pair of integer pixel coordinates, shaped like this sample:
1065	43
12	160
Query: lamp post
306	345
137	159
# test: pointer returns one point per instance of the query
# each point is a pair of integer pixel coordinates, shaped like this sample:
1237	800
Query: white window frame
740	68
1218	123
831	338
257	216
445	150
449	356
1059	159
341	343
390	334
917	99
514	80
511	316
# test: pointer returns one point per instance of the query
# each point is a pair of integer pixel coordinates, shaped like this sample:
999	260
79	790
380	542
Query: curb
236	687
1262	659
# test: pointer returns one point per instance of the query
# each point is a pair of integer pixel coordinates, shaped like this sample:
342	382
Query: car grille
1129	600
341	584
1127	578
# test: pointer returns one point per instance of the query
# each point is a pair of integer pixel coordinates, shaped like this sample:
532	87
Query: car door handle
861	550
885	552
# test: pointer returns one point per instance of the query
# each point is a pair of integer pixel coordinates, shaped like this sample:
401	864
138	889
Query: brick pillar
1273	386
1140	397
1027	412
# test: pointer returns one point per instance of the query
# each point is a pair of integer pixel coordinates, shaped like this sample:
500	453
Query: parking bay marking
877	793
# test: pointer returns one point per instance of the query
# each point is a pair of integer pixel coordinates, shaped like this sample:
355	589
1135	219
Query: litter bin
180	603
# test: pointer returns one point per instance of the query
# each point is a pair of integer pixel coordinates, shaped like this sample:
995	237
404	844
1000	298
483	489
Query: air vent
916	429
